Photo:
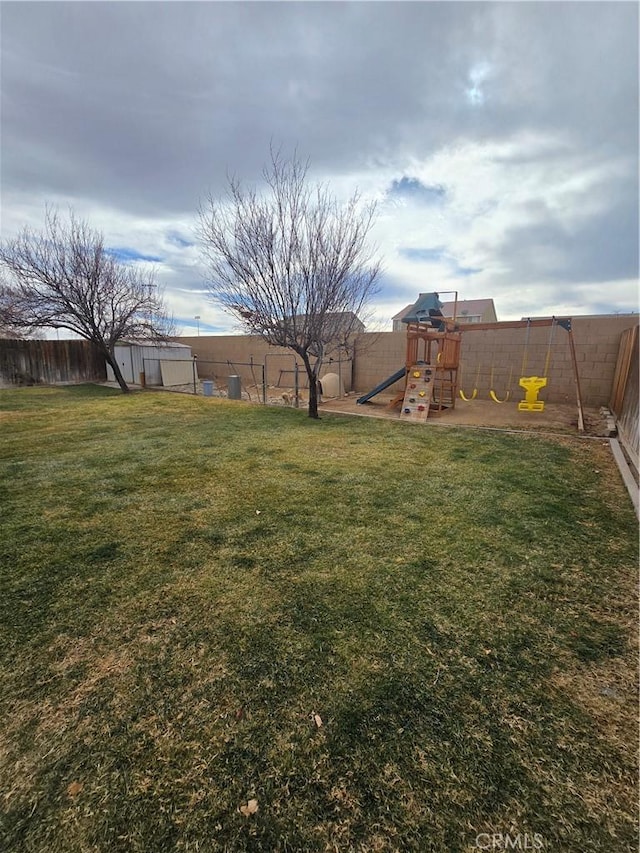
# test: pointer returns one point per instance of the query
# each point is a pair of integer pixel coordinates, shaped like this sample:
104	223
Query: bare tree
63	277
291	263
9	326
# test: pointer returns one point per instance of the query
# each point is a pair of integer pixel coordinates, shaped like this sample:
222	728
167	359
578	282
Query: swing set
531	384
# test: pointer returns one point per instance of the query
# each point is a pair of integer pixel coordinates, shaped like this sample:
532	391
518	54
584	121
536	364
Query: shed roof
147	343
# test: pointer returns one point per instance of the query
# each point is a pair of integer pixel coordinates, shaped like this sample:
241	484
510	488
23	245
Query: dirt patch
556	417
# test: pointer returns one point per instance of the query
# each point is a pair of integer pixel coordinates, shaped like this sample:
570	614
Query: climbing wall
417	397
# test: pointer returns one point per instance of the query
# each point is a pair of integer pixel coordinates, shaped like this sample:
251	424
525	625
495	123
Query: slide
385	384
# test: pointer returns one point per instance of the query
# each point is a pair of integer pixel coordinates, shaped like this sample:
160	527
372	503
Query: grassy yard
230	628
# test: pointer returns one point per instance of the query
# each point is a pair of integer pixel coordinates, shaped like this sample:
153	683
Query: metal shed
137	358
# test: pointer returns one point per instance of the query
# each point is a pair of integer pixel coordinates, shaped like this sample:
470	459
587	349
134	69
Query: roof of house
468	306
339	320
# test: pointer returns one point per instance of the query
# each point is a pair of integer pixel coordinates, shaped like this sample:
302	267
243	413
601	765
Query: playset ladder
418	392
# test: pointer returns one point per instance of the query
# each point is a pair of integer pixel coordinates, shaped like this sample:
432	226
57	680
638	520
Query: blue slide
385	384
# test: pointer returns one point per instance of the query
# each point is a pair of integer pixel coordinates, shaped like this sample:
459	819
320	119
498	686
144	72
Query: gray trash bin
234	389
207	388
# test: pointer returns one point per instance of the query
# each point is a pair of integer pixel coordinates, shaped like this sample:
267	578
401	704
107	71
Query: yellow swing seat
532	385
468	399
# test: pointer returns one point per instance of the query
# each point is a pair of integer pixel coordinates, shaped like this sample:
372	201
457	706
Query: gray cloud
593	248
148	103
142	108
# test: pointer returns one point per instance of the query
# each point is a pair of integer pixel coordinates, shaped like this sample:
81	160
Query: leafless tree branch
292	264
63	277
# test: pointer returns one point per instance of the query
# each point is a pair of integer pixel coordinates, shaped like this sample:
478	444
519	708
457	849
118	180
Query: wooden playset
432	363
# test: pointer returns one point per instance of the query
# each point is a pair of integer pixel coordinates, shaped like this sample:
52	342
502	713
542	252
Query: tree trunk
111	359
313	387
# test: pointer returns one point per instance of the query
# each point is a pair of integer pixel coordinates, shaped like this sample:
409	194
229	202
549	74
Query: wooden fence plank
628	341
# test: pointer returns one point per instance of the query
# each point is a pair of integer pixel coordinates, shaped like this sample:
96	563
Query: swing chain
526	348
474	393
548	358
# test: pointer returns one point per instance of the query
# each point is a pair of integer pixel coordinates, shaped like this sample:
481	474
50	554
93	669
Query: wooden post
574	362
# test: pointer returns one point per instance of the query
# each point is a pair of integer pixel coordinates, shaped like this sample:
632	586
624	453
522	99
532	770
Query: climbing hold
421	408
413	385
407	411
422	393
416	374
412	399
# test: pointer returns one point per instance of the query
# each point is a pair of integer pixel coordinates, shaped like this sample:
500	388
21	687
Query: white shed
141	357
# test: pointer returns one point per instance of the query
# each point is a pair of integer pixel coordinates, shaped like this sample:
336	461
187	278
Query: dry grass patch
190	585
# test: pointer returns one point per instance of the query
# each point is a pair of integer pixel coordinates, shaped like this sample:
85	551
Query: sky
499	140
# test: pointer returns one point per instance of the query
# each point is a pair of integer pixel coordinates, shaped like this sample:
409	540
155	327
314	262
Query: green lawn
391	637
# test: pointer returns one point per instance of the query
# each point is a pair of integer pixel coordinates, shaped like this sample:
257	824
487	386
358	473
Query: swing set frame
529	323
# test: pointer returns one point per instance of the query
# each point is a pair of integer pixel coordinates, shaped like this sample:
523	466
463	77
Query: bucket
207	388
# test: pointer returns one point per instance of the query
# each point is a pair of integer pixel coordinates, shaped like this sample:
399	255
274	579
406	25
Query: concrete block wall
377	356
239	349
499	352
597	342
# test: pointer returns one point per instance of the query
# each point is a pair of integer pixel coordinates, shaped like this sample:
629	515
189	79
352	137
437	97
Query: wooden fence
625	393
49	362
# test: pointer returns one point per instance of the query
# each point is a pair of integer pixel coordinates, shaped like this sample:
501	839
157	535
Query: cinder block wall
215	351
377	356
503	352
597	344
490	359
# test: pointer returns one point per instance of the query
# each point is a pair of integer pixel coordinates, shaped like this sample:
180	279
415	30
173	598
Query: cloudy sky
499	139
